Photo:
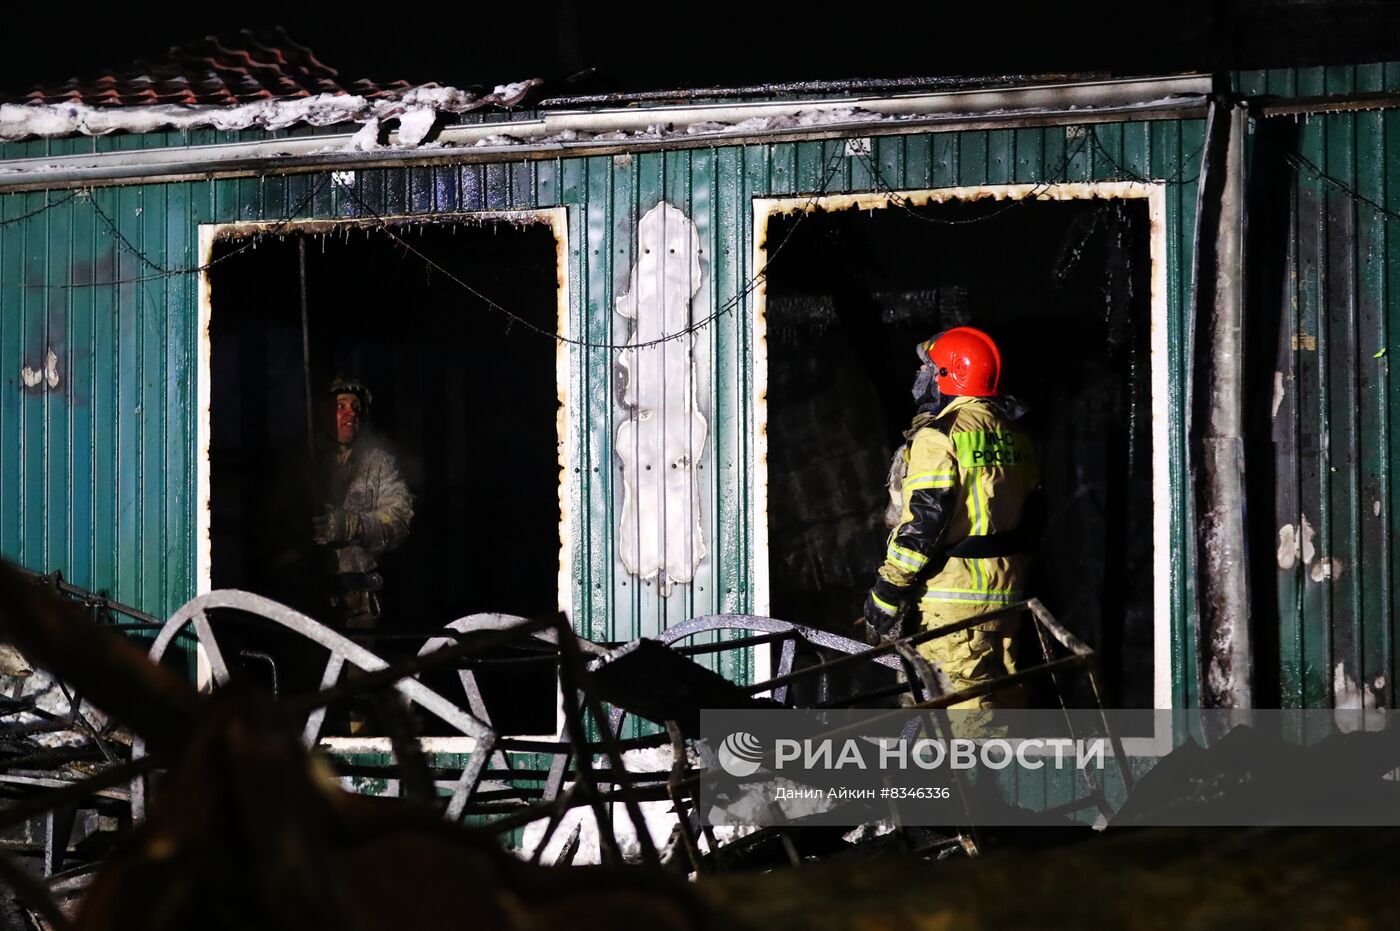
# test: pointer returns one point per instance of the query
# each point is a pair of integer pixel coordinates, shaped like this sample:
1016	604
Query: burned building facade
647	360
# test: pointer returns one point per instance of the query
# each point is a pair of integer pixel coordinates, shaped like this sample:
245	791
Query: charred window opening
467	402
1064	287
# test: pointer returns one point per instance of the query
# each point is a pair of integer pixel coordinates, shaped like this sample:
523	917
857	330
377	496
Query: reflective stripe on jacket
971	453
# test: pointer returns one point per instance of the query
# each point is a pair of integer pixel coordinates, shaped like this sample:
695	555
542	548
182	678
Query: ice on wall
367	138
1352	695
662	436
48	374
1295	543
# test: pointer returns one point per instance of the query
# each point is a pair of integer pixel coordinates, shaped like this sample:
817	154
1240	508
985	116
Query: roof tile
192	83
214	71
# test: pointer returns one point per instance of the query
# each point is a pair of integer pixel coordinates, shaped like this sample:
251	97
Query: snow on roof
261	79
416	108
213	71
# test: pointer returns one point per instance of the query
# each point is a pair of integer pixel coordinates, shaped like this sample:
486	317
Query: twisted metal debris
230	807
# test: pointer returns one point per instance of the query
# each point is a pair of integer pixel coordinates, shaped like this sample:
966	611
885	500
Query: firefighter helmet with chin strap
349	384
964	361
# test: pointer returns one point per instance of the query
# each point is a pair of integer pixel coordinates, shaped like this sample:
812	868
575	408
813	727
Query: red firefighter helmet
965	361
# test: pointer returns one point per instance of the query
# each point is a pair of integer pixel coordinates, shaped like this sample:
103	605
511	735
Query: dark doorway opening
1064	288
467	402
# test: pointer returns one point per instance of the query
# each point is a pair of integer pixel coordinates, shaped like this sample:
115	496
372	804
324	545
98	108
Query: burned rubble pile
51	738
172	805
246	828
1250	776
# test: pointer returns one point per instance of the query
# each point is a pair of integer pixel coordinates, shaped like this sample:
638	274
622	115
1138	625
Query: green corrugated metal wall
97	475
121	423
96	478
1328	298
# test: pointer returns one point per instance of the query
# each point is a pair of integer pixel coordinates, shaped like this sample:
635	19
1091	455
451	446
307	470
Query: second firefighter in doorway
959	547
365	506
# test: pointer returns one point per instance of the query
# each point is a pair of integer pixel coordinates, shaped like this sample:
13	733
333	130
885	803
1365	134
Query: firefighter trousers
973	656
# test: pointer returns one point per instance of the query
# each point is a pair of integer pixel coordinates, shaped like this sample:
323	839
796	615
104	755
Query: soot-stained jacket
365	480
968	477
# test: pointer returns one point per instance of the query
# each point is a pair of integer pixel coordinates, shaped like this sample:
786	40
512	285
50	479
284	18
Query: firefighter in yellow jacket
960	547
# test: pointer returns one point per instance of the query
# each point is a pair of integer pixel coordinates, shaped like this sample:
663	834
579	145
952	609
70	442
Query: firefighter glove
867	634
881	610
334	526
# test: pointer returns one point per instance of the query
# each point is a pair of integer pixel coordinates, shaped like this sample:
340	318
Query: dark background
631	45
1064	289
467	404
582	48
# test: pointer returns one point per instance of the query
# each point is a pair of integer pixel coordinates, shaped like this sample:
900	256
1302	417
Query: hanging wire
1295	160
1301	163
383	226
44	208
1124	172
1090	136
160	271
1298	162
908	206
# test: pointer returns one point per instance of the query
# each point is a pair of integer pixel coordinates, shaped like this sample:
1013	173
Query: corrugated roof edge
797	90
553	133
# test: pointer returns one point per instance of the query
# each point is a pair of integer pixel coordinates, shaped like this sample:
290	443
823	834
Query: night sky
631	45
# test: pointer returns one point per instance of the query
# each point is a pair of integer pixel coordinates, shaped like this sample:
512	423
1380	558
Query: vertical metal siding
1334	430
96	476
1183	144
98	479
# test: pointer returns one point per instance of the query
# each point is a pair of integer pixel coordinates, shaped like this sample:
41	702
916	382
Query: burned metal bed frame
920	681
597	694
